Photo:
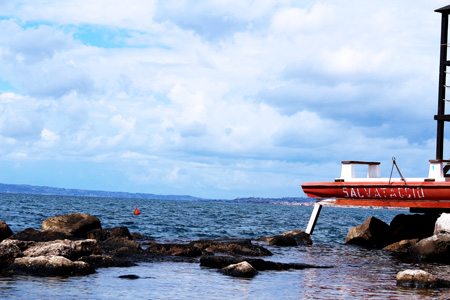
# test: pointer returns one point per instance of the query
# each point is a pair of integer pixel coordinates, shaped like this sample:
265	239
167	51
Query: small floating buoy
136	211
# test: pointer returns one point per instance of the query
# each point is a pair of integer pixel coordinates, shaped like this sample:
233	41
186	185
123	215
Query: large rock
401	246
5	231
49	266
9	251
32	235
419	279
106	233
66	248
435	248
442	224
205	247
114	245
103	261
242	269
407	227
75	224
290	238
373	233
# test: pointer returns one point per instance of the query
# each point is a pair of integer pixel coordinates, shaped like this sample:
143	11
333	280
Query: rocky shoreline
76	244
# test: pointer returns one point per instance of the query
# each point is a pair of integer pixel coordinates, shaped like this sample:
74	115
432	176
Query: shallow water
356	272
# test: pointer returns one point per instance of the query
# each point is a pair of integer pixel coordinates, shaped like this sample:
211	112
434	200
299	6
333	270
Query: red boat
430	192
420	193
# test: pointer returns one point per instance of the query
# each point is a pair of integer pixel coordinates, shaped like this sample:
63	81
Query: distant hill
45	190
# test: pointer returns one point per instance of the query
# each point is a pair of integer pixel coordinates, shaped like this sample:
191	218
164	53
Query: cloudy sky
215	99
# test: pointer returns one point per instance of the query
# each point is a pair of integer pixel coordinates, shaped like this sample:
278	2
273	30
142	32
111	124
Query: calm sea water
356	273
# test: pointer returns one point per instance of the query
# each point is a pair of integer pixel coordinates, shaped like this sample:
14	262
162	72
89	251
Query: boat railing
437	172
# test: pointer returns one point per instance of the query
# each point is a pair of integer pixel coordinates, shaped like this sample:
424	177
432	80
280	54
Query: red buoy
136	211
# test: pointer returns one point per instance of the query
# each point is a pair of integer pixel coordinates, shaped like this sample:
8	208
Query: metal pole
441	91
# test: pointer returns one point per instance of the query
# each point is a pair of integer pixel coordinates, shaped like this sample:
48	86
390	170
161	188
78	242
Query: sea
354	273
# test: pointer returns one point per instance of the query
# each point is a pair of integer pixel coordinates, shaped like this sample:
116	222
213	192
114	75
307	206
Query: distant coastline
45	190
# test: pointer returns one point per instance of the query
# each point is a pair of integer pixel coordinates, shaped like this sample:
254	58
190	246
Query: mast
441	117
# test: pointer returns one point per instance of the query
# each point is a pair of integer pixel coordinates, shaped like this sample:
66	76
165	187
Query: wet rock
103	261
75	224
5	231
115	244
373	233
420	279
290	238
175	250
401	246
136	236
131	276
205	247
407	227
242	247
9	251
49	266
242	269
442	224
219	262
66	248
33	235
435	248
106	233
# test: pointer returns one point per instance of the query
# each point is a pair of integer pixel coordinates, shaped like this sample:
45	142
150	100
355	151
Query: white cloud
218	97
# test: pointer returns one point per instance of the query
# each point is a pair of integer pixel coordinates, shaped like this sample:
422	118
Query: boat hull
394	194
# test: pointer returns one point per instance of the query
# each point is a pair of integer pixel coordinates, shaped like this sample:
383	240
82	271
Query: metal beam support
441	92
313	219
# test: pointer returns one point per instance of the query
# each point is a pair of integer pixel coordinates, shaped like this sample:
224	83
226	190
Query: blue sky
215	99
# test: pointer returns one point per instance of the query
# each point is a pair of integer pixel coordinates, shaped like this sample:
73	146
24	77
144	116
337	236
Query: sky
215	99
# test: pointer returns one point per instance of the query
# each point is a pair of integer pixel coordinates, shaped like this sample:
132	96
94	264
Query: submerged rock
290	238
242	269
419	279
373	233
75	224
49	266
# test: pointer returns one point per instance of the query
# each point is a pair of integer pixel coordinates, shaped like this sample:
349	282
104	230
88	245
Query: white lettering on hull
384	193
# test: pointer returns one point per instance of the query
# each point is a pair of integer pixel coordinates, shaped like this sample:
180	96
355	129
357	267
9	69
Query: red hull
396	194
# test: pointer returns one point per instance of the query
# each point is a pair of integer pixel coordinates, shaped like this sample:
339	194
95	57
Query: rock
242	269
103	261
114	244
33	235
75	224
231	247
5	231
219	262
136	236
290	238
373	233
66	248
442	224
106	233
407	227
435	248
9	251
420	279
131	276
401	246
175	250
49	266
